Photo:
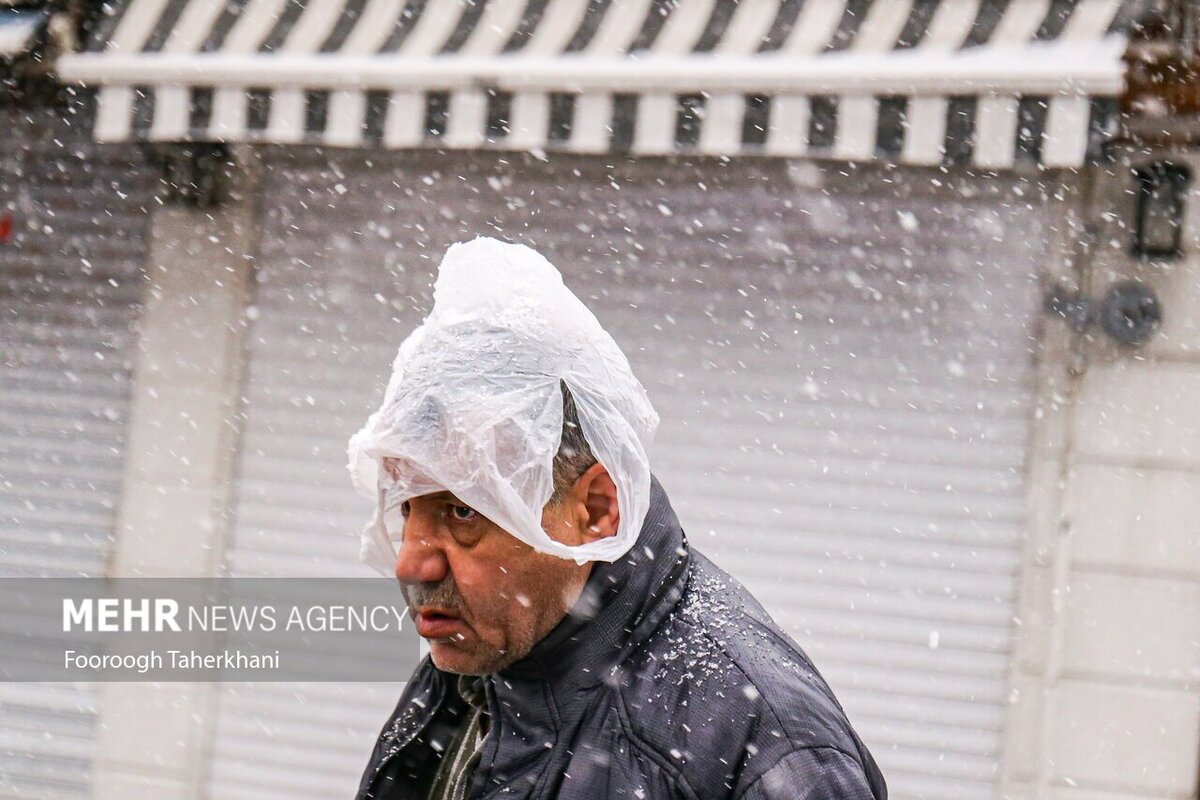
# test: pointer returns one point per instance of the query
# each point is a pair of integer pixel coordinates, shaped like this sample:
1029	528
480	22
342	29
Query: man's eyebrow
442	495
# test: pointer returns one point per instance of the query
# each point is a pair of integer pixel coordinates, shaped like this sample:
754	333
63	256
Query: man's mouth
437	623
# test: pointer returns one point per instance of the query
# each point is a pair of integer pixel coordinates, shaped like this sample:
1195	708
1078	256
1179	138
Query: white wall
1105	687
154	739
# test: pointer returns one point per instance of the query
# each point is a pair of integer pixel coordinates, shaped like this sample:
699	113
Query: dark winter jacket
667	680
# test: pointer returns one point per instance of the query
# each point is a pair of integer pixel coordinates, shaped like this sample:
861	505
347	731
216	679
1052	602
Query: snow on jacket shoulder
668	680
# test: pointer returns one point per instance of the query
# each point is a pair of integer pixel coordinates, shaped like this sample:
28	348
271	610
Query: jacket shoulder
721	694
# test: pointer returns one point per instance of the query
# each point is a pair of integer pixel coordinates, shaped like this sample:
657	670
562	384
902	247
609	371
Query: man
649	673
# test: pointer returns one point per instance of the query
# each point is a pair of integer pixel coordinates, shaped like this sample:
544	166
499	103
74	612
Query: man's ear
596	497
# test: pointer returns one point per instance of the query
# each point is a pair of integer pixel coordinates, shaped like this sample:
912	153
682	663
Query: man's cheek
483	610
507	598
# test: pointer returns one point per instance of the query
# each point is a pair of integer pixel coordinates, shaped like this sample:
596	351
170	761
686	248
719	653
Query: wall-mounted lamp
1161	188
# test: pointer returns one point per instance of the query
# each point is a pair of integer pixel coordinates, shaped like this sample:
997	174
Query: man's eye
463	513
404	509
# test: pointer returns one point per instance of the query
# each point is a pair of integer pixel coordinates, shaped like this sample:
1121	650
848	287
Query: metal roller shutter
844	375
70	290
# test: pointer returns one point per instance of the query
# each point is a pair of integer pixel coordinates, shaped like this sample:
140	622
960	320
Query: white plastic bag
474	406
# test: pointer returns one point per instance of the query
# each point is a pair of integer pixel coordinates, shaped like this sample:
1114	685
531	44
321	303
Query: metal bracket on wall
1129	312
193	174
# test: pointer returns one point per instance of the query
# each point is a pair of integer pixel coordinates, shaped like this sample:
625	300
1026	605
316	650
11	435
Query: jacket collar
621	605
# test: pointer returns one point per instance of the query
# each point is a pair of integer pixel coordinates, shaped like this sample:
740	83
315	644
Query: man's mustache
443	594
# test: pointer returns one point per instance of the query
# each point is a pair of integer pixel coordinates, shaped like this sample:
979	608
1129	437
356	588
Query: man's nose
421	559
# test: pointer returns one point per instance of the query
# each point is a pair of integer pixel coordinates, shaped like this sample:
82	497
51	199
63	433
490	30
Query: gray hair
574	454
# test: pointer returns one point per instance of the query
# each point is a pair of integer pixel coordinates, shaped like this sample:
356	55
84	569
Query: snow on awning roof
18	27
988	82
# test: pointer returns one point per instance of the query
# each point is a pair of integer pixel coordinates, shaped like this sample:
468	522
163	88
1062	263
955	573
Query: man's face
481	597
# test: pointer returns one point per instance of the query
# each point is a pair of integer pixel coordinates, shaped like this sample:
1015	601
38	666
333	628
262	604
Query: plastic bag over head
474	406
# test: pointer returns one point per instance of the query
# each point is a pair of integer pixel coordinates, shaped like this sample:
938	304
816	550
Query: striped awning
18	30
986	82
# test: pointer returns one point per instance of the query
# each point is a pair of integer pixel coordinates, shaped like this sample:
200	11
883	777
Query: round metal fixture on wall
1130	312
